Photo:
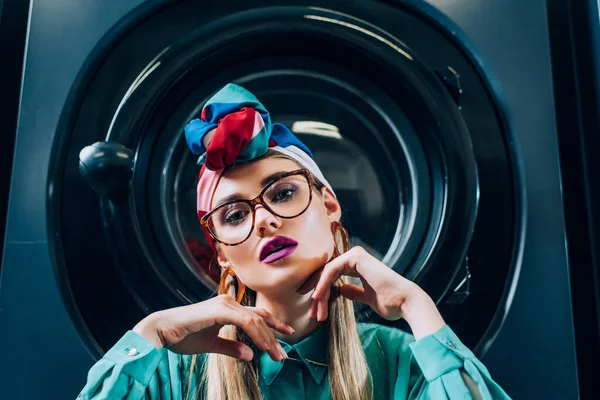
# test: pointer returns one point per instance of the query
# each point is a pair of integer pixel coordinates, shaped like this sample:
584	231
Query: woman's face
310	230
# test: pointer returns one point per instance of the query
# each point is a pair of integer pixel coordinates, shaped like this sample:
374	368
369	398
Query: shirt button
131	351
451	344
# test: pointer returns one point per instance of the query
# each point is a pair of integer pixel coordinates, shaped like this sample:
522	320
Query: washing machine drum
398	115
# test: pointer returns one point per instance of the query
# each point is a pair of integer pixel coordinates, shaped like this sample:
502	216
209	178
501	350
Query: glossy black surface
107	167
575	48
394	103
13	29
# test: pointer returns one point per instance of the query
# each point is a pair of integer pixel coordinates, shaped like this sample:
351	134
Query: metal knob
107	167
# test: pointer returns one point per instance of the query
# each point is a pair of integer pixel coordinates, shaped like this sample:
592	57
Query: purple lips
277	248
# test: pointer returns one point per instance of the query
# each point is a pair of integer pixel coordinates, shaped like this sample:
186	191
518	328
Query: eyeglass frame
259	200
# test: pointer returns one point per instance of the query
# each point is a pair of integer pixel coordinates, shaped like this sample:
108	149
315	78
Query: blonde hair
226	378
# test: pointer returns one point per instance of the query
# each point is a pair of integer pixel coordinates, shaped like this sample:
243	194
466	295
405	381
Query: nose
265	222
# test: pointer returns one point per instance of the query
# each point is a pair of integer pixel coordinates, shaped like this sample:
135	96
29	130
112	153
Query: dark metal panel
14	15
512	36
40	337
32	313
56	52
575	47
538	329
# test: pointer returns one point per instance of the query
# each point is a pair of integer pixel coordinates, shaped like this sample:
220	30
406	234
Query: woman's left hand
388	293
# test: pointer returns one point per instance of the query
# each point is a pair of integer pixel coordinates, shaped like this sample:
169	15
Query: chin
290	272
287	275
308	265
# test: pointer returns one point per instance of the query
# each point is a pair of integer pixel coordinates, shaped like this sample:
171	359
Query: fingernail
282	352
266	344
292	329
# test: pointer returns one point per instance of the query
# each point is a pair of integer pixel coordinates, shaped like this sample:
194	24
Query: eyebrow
273	177
239	196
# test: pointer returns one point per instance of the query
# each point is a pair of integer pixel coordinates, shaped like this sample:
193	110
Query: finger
324	302
342	265
312	312
333	293
353	292
330	274
232	348
269	342
269	333
276	352
322	307
238	316
272	320
272	346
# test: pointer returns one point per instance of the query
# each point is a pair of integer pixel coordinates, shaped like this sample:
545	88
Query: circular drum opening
380	181
409	168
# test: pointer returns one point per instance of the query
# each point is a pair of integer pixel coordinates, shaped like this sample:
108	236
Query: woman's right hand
194	329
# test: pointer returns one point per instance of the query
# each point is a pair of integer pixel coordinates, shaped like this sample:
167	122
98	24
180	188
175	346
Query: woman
283	325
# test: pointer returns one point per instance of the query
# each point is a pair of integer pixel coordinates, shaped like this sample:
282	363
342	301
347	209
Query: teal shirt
401	368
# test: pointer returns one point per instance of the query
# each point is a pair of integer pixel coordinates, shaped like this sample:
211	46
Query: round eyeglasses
288	196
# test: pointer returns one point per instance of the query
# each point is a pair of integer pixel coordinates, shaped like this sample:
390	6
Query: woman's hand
194	329
388	293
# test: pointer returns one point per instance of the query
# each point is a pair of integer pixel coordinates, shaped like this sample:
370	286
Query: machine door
399	116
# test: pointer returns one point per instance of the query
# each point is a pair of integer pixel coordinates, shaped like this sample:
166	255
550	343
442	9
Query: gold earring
223	288
340	239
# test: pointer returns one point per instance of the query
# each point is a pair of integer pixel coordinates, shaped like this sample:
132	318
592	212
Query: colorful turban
243	132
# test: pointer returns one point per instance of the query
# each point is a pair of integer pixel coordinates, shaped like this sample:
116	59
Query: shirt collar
311	348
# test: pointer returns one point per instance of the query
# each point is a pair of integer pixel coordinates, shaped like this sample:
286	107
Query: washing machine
434	122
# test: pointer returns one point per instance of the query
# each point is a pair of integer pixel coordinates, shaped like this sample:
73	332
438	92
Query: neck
292	310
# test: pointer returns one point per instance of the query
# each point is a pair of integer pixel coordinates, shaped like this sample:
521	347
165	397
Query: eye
234	216
283	193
